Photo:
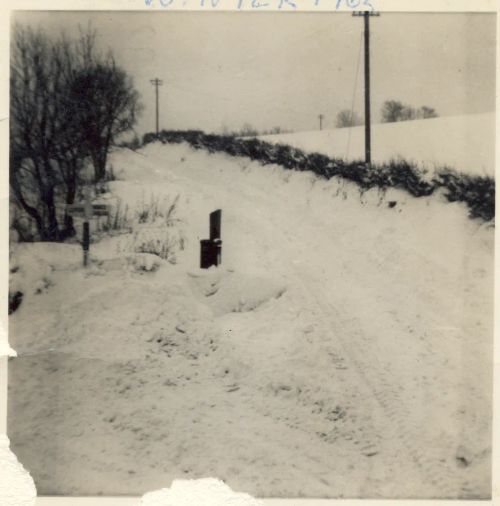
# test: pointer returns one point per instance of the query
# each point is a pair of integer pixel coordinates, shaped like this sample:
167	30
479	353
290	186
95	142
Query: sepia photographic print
257	246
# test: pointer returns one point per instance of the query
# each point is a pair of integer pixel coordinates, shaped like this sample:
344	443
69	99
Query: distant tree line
393	111
247	130
68	105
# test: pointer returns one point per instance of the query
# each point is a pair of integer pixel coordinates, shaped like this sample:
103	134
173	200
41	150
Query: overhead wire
354	95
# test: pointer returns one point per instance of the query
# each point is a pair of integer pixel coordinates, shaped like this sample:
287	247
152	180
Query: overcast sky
283	69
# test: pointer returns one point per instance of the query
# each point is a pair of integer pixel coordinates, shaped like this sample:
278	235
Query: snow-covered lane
389	299
342	348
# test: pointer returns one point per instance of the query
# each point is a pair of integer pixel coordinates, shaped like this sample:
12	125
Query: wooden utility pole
368	145
321	121
156	83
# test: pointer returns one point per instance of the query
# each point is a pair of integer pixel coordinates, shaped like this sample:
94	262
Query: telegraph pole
321	121
156	83
368	146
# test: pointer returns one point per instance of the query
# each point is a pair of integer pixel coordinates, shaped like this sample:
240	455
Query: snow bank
229	292
32	264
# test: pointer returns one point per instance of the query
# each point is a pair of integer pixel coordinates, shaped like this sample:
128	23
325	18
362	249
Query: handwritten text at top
270	4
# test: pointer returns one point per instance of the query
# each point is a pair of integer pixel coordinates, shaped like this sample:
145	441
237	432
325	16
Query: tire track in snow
380	384
365	437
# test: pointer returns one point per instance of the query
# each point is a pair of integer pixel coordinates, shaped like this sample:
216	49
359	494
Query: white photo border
224	5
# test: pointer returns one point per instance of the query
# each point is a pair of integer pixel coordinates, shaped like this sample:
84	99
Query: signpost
87	210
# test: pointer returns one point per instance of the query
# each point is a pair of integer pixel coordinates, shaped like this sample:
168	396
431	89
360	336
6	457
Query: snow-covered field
464	143
343	348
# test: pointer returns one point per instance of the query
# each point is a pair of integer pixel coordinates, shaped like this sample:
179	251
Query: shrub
478	192
117	219
154	240
163	248
157	210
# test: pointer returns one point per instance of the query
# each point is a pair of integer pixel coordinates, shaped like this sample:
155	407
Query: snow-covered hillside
464	143
343	348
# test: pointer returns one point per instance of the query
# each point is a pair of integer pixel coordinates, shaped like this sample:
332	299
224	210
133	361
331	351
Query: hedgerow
478	192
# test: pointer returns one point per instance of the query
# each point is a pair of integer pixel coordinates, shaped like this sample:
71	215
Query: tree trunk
69	228
52	231
100	172
99	166
32	211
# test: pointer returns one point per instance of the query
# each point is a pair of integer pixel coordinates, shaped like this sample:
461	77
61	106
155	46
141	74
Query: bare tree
37	86
408	113
427	112
104	100
393	111
68	104
347	118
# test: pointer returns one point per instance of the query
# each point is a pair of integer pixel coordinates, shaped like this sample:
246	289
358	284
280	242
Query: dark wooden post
86	242
211	249
215	225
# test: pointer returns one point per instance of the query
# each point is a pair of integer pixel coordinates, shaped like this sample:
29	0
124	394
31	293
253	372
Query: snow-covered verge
343	348
465	143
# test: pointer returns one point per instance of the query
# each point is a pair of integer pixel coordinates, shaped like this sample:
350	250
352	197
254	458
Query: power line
355	87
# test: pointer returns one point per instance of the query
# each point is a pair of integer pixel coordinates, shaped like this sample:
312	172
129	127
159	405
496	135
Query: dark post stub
211	249
215	221
86	242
